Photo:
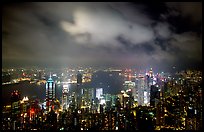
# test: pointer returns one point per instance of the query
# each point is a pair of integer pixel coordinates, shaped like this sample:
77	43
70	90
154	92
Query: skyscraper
154	95
65	91
15	109
131	85
79	78
50	93
143	90
79	90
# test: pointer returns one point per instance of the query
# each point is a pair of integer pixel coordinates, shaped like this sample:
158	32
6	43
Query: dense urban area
101	99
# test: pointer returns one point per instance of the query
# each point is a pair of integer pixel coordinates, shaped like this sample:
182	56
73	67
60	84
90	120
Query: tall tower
79	90
147	90
65	91
143	90
79	78
141	87
50	93
151	75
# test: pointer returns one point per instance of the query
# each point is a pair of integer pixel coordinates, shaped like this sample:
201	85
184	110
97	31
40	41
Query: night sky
159	35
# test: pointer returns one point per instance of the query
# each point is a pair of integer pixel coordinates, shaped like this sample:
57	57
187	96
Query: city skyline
160	35
37	100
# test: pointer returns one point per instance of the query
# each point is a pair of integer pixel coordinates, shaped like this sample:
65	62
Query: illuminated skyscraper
143	90
143	86
79	90
140	88
65	91
131	85
50	93
151	73
87	99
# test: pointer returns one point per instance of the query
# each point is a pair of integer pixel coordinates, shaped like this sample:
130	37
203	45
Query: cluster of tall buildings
141	87
160	101
144	90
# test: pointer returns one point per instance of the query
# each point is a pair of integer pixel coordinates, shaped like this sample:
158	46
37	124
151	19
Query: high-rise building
131	85
79	78
50	93
87	102
143	89
65	91
15	109
79	90
40	75
154	95
151	73
141	85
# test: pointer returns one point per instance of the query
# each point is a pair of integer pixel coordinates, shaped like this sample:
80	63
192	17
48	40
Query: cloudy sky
61	34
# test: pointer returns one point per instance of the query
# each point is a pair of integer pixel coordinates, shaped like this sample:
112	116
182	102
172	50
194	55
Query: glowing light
145	97
25	98
32	111
54	75
102	101
125	95
122	91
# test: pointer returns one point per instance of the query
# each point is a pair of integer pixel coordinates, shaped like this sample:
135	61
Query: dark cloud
102	34
188	9
186	16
